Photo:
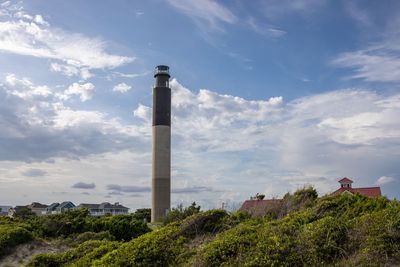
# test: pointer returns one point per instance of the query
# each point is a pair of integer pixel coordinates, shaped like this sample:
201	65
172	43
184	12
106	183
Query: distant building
4	210
37	208
52	208
21	210
57	208
260	207
104	209
346	187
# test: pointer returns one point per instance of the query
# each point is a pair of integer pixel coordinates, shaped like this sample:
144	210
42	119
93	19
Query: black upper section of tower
162	97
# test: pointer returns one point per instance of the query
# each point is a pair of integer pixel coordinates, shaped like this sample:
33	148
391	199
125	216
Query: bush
375	237
12	235
65	224
323	241
45	260
142	215
75	222
122	227
211	221
179	213
166	246
82	255
349	206
158	248
230	246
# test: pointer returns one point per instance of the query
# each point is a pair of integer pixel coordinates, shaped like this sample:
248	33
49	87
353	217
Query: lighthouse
161	167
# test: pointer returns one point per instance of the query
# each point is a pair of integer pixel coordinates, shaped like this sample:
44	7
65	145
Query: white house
104	209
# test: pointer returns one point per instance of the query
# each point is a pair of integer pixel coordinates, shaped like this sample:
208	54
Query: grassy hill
347	230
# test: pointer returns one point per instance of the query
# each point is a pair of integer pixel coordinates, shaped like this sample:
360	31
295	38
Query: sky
267	97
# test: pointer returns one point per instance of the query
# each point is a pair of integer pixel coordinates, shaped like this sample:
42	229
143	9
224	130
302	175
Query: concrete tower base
161	180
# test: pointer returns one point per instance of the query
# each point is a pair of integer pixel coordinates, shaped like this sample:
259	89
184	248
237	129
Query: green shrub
12	235
323	241
81	255
75	222
229	245
179	213
45	260
349	206
158	248
142	215
375	237
65	224
122	227
212	221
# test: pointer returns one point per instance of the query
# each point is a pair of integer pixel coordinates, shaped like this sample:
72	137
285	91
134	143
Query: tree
180	213
142	215
23	213
260	196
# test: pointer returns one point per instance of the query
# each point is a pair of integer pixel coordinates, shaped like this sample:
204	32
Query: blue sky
268	96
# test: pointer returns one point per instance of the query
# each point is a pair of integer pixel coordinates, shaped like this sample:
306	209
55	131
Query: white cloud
315	139
38	126
265	29
379	63
33	36
70	70
122	88
39	20
24	88
142	112
385	180
85	91
206	13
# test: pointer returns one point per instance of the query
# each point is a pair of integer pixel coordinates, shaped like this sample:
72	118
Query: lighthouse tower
161	170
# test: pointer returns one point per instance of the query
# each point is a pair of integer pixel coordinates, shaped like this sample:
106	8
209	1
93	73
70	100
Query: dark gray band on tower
161	106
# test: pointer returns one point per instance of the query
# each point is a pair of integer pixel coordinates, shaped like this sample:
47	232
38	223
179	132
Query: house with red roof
346	187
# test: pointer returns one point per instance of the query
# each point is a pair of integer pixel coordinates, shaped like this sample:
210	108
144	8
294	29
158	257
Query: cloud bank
73	53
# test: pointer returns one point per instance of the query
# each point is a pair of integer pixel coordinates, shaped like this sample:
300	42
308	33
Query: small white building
4	210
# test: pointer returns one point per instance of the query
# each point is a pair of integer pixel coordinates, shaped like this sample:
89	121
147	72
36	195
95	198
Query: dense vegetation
72	227
303	230
12	234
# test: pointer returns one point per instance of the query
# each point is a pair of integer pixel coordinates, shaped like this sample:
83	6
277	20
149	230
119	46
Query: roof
37	205
366	191
66	204
259	207
345	180
53	206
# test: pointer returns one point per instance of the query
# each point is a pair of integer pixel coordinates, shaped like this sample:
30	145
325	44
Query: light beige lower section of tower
161	180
